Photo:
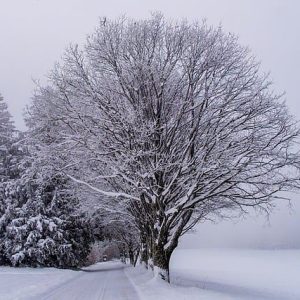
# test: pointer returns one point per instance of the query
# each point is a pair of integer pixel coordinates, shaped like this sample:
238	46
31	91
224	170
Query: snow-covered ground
102	281
26	283
202	274
240	274
223	274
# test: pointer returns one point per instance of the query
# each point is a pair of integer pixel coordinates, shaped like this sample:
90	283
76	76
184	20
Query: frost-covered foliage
39	222
42	226
171	123
7	131
126	235
7	147
9	159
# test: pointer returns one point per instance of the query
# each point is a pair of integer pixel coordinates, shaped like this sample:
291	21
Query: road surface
103	281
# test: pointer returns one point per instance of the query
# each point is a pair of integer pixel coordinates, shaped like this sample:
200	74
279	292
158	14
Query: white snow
152	288
220	274
240	274
102	281
198	274
25	283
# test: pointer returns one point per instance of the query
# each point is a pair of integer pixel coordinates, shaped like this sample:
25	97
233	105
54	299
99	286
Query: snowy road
102	281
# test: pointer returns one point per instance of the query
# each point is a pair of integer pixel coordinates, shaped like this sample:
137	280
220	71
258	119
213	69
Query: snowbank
22	283
150	288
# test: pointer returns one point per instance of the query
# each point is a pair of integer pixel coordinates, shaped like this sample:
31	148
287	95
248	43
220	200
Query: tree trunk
131	256
161	261
144	254
162	251
137	253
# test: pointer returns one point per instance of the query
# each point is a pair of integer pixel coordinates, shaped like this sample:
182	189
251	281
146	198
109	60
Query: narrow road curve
103	281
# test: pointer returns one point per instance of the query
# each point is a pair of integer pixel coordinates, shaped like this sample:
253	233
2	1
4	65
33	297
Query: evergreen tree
43	227
7	131
39	223
7	167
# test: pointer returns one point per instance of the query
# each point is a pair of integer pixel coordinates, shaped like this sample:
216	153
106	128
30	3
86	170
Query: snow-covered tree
171	123
39	223
8	162
7	131
125	234
42	225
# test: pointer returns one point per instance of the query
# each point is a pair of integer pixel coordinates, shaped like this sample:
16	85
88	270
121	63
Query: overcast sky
34	34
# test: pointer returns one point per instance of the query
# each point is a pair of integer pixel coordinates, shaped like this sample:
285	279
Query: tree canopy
170	123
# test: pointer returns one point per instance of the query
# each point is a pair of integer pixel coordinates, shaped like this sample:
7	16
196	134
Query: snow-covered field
226	274
240	274
208	274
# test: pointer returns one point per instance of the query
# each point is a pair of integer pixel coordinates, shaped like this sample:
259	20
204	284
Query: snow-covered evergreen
7	168
44	228
39	221
7	130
